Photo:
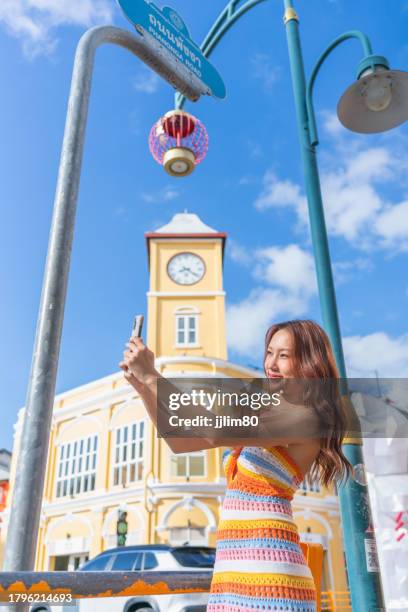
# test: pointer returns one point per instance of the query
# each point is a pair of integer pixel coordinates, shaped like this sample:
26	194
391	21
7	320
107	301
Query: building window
186	326
77	467
186	330
189	535
188	465
128	453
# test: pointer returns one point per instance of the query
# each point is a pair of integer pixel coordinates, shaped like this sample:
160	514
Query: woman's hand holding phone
138	360
138	364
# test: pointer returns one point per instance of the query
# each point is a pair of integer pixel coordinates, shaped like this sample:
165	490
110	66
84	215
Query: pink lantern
178	141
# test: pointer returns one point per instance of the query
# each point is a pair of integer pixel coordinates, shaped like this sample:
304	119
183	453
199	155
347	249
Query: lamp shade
178	141
377	102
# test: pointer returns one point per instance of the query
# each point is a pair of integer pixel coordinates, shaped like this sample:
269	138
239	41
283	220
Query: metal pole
359	541
30	474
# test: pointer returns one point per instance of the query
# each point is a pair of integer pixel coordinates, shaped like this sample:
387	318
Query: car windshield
195	557
96	565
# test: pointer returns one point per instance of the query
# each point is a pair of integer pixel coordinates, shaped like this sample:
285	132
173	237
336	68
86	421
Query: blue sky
250	185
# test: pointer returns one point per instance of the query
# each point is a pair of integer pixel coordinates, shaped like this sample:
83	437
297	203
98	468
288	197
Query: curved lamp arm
225	20
314	139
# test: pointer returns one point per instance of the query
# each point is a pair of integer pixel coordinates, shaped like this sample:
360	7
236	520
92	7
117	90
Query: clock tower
186	300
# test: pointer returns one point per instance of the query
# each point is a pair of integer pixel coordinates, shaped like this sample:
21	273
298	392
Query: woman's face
279	357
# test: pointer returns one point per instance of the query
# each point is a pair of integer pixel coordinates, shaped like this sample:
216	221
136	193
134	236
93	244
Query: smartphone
137	326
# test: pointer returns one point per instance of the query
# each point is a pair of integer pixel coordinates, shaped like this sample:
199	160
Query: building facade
104	456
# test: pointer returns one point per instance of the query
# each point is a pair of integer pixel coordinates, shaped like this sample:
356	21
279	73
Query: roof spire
185	223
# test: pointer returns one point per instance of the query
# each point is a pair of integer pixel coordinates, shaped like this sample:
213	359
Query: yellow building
104	455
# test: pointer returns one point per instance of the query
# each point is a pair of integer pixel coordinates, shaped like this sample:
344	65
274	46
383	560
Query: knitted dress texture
259	564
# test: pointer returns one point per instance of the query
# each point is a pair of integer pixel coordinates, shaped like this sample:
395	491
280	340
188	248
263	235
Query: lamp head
377	101
178	141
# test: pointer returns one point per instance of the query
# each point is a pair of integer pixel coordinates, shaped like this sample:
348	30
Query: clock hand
189	270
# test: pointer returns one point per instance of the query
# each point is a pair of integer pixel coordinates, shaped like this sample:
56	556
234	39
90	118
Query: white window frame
188	476
185	314
122	453
201	540
76	467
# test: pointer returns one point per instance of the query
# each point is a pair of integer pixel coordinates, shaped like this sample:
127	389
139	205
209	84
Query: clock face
186	268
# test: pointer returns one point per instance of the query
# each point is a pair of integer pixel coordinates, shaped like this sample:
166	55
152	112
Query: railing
23	587
62	586
335	601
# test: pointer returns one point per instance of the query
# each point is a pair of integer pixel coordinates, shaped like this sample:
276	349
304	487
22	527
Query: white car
151	557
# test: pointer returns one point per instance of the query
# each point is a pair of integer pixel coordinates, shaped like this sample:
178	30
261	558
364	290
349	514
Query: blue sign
168	28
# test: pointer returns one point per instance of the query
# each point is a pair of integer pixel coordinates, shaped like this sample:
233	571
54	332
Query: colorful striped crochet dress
259	563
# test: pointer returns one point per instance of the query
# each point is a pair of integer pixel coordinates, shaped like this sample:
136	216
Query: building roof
185	223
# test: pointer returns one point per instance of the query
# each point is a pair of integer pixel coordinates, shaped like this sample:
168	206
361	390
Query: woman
259	562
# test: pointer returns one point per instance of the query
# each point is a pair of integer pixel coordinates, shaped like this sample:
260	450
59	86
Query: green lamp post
376	102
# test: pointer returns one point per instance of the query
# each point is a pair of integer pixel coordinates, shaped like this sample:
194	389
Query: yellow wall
166	296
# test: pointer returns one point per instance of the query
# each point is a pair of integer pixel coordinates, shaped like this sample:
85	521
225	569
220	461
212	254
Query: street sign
169	29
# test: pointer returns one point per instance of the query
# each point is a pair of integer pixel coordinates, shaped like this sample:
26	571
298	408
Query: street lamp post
365	584
357	110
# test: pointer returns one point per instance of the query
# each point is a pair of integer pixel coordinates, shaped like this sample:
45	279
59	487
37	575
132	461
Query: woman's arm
286	424
139	371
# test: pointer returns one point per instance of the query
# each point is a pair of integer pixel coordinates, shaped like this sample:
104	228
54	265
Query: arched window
187	521
186	326
128	457
76	472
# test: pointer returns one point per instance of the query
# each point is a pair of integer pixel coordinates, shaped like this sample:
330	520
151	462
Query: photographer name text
218	422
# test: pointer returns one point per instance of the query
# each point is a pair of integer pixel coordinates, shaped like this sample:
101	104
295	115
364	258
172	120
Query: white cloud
34	21
239	253
331	124
248	320
349	207
279	194
375	164
287	275
352	188
264	69
289	267
167	194
352	198
146	81
377	351
392	226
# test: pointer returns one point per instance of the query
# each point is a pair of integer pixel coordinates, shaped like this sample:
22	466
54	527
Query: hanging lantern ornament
178	141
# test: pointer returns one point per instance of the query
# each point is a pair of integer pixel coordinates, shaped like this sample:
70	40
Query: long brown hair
313	358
